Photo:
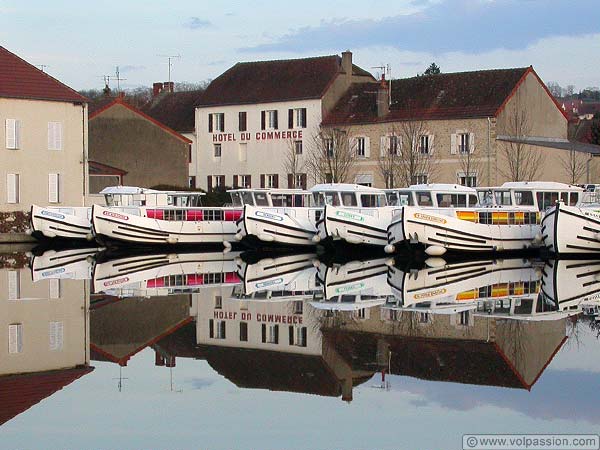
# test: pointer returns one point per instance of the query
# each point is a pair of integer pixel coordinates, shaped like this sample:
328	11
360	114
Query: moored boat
568	229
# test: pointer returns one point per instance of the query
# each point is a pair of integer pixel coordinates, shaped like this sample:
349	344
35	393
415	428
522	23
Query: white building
255	113
43	138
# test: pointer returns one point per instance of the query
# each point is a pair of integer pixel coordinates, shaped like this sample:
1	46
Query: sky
81	42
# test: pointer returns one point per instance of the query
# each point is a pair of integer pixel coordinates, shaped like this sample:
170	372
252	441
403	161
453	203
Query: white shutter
431	144
367	147
53	187
54	136
13	285
55	334
453	147
15	338
353	142
471	142
54	288
383	145
50	135
11	133
17	134
12	188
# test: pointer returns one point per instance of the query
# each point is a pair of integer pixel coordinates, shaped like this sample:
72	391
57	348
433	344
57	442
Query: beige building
460	124
43	138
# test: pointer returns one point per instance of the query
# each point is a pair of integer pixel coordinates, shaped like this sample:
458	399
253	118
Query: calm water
212	350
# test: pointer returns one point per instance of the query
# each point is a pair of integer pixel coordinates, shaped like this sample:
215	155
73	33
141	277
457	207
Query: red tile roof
19	79
442	96
275	81
175	109
96	168
18	393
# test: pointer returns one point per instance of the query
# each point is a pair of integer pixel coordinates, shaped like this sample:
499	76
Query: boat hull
55	223
571	230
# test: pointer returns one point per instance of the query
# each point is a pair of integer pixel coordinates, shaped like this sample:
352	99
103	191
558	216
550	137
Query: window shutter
210	123
222	326
431	144
54	288
471	142
276	124
303	114
276	332
262	120
235	181
11	188
262	180
264	333
13	285
58	136
242	121
453	148
383	144
290	118
209	183
15	338
249	181
222	181
51	138
211	328
11	138
276	181
303	178
53	188
56	331
222	122
367	147
291	181
17	134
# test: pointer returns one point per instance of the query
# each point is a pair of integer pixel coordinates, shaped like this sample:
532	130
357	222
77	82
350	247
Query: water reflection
289	322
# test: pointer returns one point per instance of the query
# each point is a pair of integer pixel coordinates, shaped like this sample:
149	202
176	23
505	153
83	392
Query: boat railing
204	214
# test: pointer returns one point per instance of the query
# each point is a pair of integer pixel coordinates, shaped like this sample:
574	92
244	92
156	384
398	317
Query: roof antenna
386	74
121	378
169	57
42	67
118	79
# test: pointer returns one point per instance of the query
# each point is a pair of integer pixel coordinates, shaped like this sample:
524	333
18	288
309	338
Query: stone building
463	125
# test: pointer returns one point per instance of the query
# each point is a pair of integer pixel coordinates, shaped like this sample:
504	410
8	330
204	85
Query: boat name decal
115	215
430	218
265	284
351	216
431	293
117	281
268	216
595	213
349	288
51	214
47	273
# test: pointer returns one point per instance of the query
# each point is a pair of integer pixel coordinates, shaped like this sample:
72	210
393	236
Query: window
420	179
467	180
451	200
424	317
424	144
364	179
524	198
298	147
424	199
15	338
217	150
297	118
14	284
218	302
192	182
55	334
270	334
272	119
244	331
360	147
463	143
246	181
216	329
54	136
215	181
242	121
393	145
54	288
297	336
13	133
464	318
372	200
272	181
216	122
300	181
53	188
12	188
298	307
328	142
349	199
243	151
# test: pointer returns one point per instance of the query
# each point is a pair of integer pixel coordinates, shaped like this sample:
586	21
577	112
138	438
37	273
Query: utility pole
169	58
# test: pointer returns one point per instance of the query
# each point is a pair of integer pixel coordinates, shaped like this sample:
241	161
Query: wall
149	154
33	161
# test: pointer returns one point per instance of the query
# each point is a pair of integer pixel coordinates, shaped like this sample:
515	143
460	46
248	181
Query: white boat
352	213
74	264
507	218
571	284
164	273
75	222
568	229
280	216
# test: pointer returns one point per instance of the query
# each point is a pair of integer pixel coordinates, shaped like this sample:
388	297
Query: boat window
451	200
503	198
247	198
332	198
372	200
236	199
472	199
486	198
348	298
424	199
349	199
301	200
524	198
546	199
318	198
564	197
523	306
574	199
261	199
284	200
392	198
109	199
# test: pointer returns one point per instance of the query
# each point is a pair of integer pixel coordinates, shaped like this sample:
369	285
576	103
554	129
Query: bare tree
331	156
407	154
522	162
293	163
471	162
574	164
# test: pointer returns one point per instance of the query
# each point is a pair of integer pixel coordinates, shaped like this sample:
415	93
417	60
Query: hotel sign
258	136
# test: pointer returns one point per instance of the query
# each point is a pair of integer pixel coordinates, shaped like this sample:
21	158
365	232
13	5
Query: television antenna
118	78
121	379
386	71
169	58
42	67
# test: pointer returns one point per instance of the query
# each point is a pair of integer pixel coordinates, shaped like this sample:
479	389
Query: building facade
43	138
457	124
257	115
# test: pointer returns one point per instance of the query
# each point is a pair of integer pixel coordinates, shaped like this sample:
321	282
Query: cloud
196	23
469	26
199	383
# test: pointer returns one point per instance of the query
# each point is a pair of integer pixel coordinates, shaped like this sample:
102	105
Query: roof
19	79
275	81
438	187
97	108
176	110
441	96
18	393
562	144
540	185
96	168
340	187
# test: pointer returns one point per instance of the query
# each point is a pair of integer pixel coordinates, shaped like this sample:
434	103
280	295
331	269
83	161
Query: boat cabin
349	195
538	194
136	196
274	198
436	195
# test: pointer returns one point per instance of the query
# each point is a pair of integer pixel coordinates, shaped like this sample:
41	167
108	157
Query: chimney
157	88
169	86
158	358
347	64
383	98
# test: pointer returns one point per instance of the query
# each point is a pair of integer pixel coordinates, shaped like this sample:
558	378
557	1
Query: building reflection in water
44	335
